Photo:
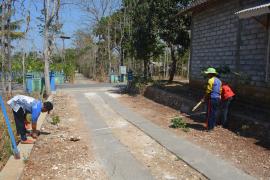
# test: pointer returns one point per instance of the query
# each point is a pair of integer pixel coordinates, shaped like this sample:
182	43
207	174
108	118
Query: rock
74	139
54	167
168	177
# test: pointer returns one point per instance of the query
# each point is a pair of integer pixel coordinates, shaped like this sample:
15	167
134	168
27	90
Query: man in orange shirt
227	97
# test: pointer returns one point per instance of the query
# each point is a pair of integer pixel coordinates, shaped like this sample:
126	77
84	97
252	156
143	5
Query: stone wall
253	47
214	34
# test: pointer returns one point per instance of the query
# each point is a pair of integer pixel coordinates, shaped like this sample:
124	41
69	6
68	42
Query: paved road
116	158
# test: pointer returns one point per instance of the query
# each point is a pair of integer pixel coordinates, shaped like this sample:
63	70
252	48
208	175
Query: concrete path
115	157
119	162
198	158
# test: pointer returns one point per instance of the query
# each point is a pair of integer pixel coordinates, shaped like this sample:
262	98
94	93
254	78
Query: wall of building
220	39
253	47
214	34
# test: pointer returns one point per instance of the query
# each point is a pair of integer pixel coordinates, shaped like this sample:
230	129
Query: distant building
233	33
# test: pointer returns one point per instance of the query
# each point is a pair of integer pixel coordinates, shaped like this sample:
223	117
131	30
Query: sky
72	17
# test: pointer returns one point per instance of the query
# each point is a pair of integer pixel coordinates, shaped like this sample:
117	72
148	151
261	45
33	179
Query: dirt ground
242	152
57	154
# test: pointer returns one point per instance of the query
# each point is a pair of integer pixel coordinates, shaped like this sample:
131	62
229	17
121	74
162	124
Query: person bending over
21	106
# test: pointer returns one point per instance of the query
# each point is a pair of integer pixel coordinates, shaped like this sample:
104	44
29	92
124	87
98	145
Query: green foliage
34	63
19	80
138	84
66	64
139	32
145	35
55	120
172	29
178	122
13	26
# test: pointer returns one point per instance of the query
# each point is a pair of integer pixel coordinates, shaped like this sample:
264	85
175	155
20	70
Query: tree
8	33
50	27
173	29
85	53
145	36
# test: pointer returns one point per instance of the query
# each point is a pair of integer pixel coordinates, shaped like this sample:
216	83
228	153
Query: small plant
25	159
178	122
55	120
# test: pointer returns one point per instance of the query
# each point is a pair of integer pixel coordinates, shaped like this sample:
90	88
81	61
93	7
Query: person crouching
21	106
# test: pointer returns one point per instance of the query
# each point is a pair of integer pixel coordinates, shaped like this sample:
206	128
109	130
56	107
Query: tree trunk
109	47
9	48
3	50
122	57
23	67
46	46
173	65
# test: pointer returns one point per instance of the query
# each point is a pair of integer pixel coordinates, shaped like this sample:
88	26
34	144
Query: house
233	34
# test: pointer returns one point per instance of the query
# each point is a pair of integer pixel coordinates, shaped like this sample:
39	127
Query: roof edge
194	5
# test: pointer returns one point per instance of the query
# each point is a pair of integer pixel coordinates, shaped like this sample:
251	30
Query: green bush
55	120
178	122
138	84
19	80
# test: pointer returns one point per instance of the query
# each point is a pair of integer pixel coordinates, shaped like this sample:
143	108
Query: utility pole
63	51
9	46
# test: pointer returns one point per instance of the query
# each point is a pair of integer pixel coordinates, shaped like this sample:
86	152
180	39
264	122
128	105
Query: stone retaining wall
242	123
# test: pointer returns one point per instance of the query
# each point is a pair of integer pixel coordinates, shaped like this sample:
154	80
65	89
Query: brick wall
214	34
219	38
253	48
214	42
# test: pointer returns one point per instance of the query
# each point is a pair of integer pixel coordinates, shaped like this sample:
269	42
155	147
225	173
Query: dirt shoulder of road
243	152
63	151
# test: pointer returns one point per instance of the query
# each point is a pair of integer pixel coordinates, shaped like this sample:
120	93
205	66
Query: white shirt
21	101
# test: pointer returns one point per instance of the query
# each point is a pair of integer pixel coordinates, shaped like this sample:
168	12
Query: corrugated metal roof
254	11
194	4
